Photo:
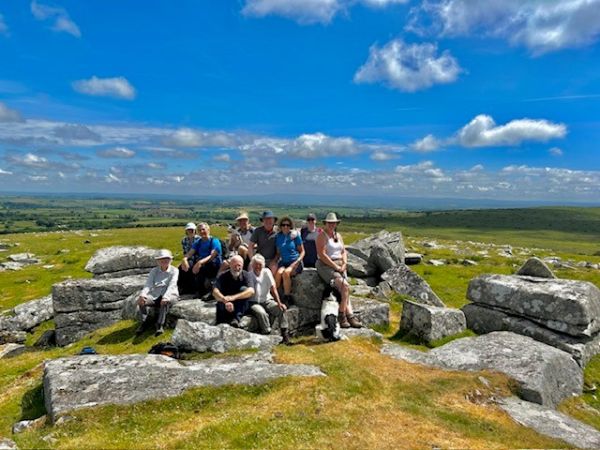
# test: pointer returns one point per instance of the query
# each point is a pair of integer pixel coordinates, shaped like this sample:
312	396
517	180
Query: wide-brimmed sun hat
242	216
267	215
164	253
331	217
190	226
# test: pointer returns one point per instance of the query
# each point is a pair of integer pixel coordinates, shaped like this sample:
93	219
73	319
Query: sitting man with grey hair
160	292
232	292
266	305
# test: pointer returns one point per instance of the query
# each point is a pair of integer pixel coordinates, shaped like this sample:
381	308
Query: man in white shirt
159	292
266	305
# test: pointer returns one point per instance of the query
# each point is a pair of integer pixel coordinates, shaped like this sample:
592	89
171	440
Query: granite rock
430	323
406	282
120	258
535	267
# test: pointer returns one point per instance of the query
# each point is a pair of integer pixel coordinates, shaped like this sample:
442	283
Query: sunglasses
310	220
286	224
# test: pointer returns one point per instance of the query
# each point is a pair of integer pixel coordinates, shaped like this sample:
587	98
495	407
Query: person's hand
282	307
343	267
338	268
165	302
197	267
227	298
229	307
185	265
141	300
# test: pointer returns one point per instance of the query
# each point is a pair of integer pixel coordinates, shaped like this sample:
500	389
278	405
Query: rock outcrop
87	381
545	374
23	318
378	253
430	323
404	281
121	261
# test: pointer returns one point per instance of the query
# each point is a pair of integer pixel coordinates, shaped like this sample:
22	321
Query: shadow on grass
32	404
123	335
409	338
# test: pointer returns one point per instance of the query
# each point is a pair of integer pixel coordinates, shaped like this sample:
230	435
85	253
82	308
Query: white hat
164	253
190	226
332	217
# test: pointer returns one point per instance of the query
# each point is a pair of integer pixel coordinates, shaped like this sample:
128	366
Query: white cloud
62	21
308	146
190	138
3	26
116	152
118	87
9	115
156	166
408	67
382	156
555	151
37	178
428	144
76	132
223	157
482	131
540	25
112	178
5	172
29	160
307	12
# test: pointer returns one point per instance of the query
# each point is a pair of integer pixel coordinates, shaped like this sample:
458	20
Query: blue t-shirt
204	248
287	247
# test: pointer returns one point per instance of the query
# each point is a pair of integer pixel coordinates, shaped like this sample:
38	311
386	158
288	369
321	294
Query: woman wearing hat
331	267
160	292
239	242
290	252
186	283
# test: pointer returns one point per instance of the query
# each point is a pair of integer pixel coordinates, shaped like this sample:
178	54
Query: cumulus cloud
308	146
76	132
29	160
408	67
382	156
307	12
555	151
190	138
540	26
118	87
223	157
482	131
3	26
9	115
428	144
156	166
116	152
61	20
5	172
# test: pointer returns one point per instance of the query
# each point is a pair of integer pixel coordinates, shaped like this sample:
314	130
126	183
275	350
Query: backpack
88	351
166	349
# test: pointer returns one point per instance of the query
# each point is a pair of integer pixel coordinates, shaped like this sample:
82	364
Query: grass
366	401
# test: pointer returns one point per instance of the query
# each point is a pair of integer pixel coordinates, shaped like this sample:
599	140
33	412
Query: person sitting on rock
331	267
266	305
233	290
309	235
209	253
239	240
263	240
186	283
290	252
160	292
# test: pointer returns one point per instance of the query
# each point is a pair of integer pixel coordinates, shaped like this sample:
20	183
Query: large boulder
81	306
307	289
482	319
371	312
567	306
545	375
535	267
359	267
119	258
28	315
382	251
201	337
403	280
430	323
87	381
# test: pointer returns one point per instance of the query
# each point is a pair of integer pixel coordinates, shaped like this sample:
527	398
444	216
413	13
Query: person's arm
274	292
149	284
172	292
253	241
185	264
301	252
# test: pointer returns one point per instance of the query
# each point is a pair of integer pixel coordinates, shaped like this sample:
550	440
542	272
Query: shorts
325	272
299	267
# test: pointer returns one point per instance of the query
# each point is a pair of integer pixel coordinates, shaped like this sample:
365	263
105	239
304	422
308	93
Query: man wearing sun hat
264	238
239	241
160	291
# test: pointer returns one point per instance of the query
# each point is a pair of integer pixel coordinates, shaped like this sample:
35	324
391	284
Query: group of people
246	273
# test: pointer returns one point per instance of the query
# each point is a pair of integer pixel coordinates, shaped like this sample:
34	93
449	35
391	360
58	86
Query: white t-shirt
262	285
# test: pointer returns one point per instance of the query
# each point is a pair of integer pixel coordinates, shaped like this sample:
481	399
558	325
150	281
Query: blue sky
423	98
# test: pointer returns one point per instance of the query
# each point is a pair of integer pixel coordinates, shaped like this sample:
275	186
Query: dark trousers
186	283
239	309
163	310
203	278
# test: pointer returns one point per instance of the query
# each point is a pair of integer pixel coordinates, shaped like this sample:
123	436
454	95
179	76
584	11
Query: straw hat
164	253
242	216
331	217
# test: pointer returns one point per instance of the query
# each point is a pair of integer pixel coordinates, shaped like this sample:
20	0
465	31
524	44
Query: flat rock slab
87	381
552	423
201	337
485	319
567	306
404	281
366	333
120	258
545	374
431	323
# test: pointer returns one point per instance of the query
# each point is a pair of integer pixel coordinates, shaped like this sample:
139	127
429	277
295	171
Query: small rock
24	425
7	444
412	258
11	350
535	267
436	262
468	262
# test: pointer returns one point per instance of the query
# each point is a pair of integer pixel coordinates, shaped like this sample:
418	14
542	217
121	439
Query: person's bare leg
279	276
287	281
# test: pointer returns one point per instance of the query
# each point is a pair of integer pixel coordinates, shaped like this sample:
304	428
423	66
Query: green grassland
366	401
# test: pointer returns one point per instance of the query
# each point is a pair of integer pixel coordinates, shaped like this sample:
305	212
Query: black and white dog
329	328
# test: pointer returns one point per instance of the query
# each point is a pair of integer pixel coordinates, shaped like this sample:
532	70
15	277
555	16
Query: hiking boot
343	320
159	331
141	328
285	337
288	299
234	323
354	322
